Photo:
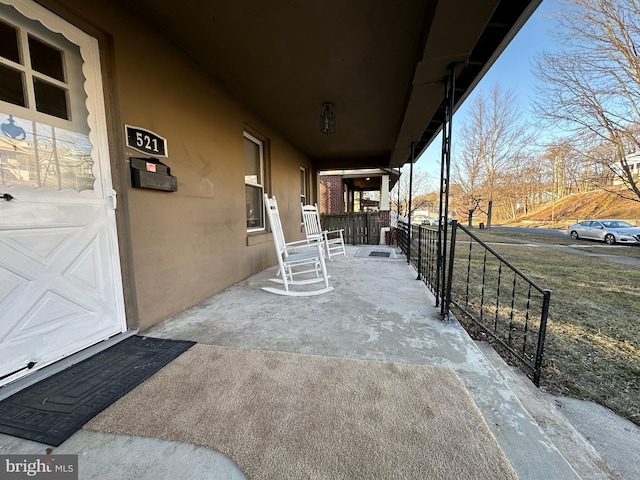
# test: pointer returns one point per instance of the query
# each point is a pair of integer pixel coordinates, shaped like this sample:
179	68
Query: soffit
380	63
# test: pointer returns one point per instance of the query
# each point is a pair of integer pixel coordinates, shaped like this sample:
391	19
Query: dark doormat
380	254
52	410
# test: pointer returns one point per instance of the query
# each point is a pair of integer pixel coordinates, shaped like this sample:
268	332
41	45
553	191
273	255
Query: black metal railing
486	291
402	236
427	259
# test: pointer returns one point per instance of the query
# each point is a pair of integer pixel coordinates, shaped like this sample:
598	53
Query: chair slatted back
276	225
311	220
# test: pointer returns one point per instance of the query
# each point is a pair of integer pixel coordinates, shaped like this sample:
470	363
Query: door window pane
51	99
46	59
12	86
43	156
9	43
44	133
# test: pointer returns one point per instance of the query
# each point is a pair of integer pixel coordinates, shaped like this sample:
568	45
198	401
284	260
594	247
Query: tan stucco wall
189	244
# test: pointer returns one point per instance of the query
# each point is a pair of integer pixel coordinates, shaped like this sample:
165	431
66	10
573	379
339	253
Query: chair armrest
314	237
311	241
304	245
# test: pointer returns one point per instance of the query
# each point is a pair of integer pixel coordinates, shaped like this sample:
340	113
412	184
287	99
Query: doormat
377	251
52	410
380	254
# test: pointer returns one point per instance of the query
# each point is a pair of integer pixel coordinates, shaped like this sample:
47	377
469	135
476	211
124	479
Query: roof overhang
381	64
366	179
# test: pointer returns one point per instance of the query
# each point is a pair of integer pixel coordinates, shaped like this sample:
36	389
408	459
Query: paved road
562	233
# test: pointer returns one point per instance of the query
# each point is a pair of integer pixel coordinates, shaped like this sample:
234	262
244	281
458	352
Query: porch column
384	208
385	200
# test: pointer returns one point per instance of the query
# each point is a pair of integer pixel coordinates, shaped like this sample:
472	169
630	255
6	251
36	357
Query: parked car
609	231
436	222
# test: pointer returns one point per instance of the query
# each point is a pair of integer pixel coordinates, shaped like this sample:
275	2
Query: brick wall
384	218
331	198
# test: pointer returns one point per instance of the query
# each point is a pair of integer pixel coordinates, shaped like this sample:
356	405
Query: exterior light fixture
327	120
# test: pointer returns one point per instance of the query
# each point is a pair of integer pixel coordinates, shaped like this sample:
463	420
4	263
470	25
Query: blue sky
513	70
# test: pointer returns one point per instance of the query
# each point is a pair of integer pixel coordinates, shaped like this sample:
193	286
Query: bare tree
494	139
521	189
467	175
422	183
592	86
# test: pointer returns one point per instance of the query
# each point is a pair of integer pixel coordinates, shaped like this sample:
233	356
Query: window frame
261	144
304	185
304	188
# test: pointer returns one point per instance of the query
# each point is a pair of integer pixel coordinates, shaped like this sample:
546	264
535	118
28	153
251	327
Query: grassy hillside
577	207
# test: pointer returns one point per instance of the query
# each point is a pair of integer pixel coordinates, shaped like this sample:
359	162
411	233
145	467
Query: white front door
60	281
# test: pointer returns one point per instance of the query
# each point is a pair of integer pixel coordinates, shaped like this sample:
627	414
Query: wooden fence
359	228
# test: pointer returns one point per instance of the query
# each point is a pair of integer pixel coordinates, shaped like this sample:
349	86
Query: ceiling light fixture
327	120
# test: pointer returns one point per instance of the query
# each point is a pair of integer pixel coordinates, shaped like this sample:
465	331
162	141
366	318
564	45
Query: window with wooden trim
254	182
304	181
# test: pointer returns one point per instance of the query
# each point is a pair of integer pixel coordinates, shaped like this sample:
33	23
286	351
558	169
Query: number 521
146	142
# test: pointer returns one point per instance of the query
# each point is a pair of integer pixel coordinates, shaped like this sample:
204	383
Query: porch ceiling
380	63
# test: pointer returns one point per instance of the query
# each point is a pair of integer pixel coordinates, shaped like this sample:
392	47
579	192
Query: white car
609	231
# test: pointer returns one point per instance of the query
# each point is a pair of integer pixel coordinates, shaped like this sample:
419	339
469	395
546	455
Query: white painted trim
55	367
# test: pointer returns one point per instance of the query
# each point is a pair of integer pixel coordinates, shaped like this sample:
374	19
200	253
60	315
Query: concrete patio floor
377	311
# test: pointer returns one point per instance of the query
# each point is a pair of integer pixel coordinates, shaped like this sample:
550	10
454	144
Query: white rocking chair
295	255
333	240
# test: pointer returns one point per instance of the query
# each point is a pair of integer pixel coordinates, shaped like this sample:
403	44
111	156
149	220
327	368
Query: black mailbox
152	173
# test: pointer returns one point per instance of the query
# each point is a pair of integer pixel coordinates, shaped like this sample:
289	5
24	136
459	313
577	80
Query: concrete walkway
378	311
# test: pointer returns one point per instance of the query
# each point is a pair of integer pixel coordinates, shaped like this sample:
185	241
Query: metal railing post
541	337
447	301
445	172
419	266
409	202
